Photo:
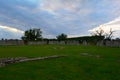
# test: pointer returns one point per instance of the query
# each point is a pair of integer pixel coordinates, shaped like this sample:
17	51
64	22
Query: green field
72	67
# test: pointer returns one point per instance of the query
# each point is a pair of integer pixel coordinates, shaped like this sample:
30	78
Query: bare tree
101	33
109	35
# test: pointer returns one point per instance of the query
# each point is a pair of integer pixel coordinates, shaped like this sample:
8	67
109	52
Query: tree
109	35
61	37
98	34
32	35
101	33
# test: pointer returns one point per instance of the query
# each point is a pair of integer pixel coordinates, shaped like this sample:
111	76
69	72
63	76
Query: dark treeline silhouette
32	35
61	37
101	33
87	38
36	35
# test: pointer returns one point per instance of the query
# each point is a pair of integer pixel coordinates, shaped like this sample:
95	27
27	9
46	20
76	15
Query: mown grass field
73	67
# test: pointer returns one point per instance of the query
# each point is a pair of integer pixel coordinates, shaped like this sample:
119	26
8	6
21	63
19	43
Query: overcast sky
53	17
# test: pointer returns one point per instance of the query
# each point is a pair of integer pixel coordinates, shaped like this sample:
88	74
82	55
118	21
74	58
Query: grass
72	67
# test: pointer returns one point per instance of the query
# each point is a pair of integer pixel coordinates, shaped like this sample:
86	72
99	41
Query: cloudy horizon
72	17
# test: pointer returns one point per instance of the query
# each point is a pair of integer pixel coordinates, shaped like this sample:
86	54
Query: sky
72	17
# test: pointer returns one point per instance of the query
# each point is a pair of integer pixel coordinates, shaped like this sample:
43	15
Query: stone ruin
11	42
113	43
6	61
90	55
73	42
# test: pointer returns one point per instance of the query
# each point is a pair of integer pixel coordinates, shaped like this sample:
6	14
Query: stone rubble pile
6	61
90	55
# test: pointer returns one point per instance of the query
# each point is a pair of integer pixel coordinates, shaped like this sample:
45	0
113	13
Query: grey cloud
74	17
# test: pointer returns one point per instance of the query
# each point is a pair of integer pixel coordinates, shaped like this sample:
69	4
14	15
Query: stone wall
37	42
72	42
11	42
113	43
54	42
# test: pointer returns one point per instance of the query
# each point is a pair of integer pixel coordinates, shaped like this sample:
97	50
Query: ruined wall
72	42
54	42
113	43
11	42
37	42
6	61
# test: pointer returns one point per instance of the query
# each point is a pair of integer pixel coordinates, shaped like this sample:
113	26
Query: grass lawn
73	67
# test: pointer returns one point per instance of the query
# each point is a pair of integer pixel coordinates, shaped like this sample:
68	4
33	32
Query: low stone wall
37	42
113	43
72	42
54	42
109	43
11	42
20	42
6	61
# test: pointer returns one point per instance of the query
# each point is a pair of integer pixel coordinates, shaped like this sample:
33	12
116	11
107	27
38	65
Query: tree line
36	35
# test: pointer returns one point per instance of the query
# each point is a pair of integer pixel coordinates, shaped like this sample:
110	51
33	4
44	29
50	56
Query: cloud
11	29
53	6
73	17
66	9
7	32
114	25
